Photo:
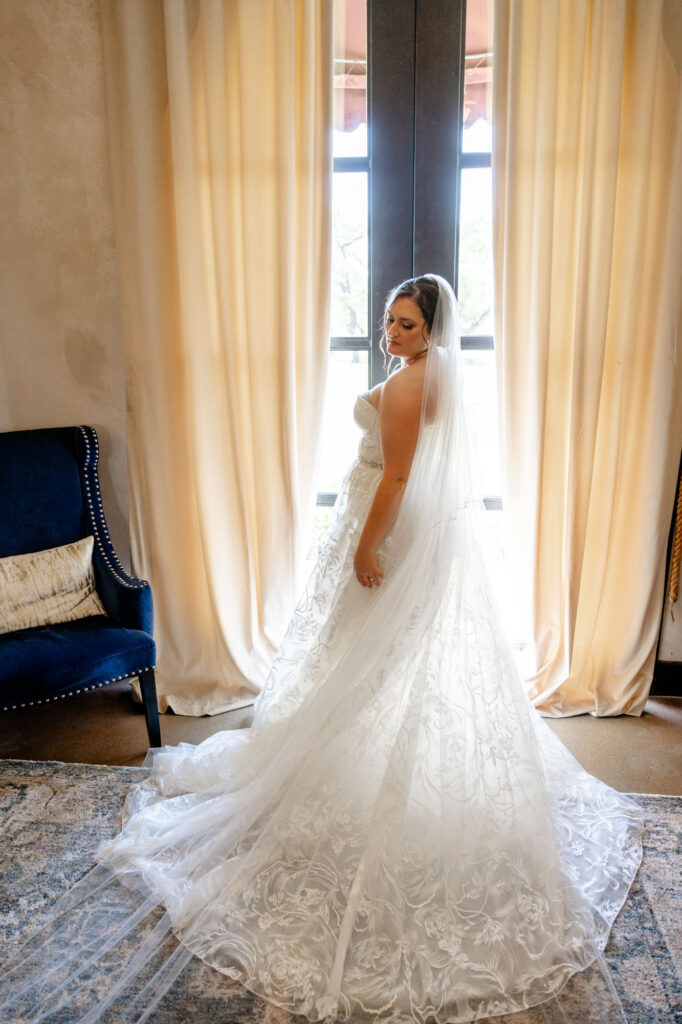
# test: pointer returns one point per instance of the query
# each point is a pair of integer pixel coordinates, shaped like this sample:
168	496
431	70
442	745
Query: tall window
349	361
412	193
475	263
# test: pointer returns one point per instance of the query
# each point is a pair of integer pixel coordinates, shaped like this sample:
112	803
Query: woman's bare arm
399	416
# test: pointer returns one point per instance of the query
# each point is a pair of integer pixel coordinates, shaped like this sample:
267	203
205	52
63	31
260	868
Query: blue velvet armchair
49	496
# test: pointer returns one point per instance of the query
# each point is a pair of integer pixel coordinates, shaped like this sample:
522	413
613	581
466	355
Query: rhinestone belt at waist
368	462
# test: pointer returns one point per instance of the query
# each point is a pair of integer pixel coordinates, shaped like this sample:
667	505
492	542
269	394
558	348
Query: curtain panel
587	173
220	122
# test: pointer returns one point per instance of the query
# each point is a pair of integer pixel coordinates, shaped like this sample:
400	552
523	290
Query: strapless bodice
367	418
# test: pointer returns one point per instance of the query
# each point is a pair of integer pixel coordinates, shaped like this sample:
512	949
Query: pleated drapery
220	130
587	171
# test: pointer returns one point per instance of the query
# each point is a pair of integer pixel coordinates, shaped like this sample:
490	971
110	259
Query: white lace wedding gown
399	835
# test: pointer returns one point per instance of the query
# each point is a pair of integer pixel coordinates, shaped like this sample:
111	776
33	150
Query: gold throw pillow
44	587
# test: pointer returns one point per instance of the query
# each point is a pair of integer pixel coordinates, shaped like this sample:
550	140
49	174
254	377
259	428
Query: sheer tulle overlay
398	837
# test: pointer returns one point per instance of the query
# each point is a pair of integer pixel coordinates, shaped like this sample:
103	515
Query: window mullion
439	89
351	164
391	69
475	160
353	344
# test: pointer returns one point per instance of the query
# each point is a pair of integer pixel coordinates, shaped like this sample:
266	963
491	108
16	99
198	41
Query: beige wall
61	360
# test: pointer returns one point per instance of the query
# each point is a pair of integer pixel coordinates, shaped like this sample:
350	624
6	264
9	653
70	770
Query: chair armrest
127	600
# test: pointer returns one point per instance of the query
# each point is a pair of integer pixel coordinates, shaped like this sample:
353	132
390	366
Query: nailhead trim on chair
84	689
98	521
99	524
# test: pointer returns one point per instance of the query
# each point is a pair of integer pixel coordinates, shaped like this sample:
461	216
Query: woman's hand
366	567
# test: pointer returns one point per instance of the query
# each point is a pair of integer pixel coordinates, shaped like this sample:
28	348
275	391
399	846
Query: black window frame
415	98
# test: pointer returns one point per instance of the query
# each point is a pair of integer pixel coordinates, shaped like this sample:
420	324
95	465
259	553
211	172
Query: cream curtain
220	131
587	172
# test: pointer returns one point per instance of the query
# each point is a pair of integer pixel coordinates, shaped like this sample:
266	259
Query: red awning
350	62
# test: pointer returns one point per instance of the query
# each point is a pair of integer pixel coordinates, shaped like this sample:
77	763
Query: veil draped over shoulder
399	837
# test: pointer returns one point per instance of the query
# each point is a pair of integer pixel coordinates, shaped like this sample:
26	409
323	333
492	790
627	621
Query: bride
399	836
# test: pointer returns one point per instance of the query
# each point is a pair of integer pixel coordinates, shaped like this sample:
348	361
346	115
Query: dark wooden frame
151	710
415	90
415	94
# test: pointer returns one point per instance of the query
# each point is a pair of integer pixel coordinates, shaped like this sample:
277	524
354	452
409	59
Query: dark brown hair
422	290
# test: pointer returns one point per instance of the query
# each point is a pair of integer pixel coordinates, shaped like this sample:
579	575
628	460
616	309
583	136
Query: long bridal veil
399	837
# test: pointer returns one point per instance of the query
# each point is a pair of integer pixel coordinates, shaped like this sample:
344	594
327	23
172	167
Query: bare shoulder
403	389
399	419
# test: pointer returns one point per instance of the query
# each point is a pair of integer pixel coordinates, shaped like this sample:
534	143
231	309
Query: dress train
399	837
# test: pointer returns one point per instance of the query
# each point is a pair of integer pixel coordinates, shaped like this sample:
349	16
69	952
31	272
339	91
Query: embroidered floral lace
399	837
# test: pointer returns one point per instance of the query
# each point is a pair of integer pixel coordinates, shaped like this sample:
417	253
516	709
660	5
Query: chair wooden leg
151	708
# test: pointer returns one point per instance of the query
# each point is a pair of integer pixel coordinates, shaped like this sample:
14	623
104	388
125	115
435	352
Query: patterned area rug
54	815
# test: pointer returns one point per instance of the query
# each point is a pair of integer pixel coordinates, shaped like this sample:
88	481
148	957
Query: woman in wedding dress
399	836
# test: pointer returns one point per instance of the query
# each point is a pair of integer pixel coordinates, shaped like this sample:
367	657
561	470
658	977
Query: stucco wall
61	360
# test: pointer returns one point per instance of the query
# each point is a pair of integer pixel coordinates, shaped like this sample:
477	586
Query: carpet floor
54	815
